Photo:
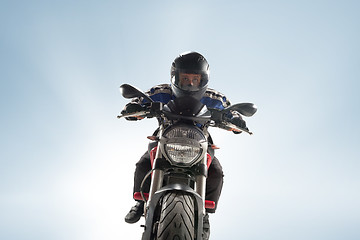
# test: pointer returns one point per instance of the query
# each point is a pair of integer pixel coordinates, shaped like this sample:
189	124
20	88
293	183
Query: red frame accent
153	155
209	204
209	160
137	196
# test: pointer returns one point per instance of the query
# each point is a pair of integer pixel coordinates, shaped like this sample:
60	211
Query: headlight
184	145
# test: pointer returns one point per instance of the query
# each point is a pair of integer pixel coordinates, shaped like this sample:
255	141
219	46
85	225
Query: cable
142	185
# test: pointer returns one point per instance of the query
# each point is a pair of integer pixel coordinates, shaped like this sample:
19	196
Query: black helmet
189	63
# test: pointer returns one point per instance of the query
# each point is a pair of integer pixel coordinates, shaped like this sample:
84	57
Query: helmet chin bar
178	92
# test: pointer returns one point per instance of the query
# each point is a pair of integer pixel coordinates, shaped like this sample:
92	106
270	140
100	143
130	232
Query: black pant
214	182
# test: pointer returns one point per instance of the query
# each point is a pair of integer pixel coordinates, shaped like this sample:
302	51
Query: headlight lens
182	153
183	144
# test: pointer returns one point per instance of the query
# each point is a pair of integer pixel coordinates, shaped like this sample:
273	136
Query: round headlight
183	144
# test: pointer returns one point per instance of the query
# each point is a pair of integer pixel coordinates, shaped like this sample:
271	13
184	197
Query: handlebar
223	124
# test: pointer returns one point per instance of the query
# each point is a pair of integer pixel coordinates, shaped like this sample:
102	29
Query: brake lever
134	114
235	128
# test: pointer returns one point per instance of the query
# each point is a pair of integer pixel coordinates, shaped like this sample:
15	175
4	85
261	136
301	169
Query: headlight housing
183	144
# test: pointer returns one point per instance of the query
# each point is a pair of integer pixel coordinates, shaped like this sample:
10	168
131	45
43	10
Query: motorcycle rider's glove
132	108
239	122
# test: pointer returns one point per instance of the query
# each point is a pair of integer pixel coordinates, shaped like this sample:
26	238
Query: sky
67	162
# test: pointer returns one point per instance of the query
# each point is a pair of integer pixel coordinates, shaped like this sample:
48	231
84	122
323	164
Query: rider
189	77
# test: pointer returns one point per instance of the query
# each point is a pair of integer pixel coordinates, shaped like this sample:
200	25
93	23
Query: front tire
177	220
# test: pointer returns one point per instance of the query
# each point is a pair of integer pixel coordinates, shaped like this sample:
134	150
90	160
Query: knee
215	170
144	161
216	173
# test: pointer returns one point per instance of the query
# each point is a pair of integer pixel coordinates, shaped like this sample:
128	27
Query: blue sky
67	163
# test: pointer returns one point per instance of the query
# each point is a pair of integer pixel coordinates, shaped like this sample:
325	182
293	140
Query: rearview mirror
246	109
128	91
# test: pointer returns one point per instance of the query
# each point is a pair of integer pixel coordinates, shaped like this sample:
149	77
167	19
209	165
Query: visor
190	85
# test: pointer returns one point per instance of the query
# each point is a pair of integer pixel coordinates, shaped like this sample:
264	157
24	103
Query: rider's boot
135	213
206	227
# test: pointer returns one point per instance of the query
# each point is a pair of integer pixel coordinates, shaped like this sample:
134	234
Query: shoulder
160	93
217	96
161	88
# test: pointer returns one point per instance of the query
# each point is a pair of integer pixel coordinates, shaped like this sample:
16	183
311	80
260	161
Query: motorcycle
175	205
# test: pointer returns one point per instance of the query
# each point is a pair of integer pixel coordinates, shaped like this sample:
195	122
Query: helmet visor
190	81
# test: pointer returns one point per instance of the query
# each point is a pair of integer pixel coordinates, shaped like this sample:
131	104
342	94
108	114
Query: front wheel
177	219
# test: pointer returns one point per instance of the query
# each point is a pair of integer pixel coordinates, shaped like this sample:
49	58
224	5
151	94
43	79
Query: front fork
158	177
200	185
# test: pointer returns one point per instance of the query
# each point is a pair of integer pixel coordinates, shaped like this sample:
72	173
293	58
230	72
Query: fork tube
200	186
157	176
